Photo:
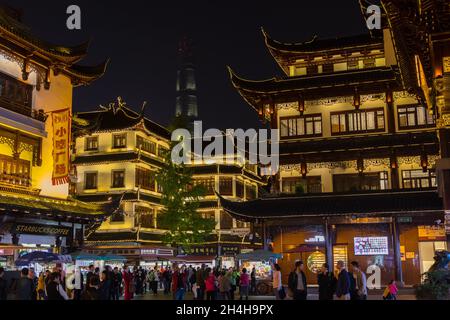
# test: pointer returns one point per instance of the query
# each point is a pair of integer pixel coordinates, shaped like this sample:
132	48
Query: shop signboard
367	246
39	229
431	233
447	222
404	219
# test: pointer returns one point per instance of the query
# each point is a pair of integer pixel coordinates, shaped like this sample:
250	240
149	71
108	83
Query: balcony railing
17	96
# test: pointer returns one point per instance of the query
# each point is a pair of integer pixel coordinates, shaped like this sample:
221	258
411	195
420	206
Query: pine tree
181	199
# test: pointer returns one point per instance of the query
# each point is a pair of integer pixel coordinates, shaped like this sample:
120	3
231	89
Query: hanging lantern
424	162
389	96
301	105
393	162
360	165
47	80
303	169
25	72
356	99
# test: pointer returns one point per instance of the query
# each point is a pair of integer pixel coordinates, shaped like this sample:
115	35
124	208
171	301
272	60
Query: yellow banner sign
61	143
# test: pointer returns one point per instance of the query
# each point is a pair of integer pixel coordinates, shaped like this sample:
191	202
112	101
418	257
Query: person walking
327	283
358	281
92	288
128	280
24	286
200	280
297	283
55	290
211	285
225	285
277	284
343	282
244	281
179	282
116	281
89	275
3	285
253	281
104	290
233	279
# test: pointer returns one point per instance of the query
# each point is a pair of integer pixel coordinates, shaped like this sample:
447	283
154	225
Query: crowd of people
342	285
204	282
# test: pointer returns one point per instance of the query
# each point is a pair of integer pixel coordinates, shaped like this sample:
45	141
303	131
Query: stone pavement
404	294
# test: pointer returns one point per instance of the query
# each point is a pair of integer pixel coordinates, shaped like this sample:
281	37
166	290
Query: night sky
140	38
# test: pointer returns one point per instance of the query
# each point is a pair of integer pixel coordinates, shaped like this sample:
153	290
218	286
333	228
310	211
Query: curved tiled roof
329	204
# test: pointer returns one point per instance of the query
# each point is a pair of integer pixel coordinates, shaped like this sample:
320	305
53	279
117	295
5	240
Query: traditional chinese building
36	86
362	125
118	152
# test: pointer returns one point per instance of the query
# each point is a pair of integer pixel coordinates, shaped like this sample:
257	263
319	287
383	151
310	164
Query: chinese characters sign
366	246
61	141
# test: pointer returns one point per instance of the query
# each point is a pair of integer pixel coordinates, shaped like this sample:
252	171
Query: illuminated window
413	116
226	186
146	145
162	152
239	189
91	144
118	178
309	184
301	126
352	65
361	121
357	182
208	184
90	180
120	140
145	179
369	63
313	69
413	179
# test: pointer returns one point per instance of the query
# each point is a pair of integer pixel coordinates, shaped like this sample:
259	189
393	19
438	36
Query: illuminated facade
36	82
361	142
117	152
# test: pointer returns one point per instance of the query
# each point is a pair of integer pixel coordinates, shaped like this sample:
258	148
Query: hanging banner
61	142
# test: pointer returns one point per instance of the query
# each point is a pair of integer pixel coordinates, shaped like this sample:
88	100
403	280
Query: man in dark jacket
105	286
24	286
327	283
89	275
3	285
343	283
297	282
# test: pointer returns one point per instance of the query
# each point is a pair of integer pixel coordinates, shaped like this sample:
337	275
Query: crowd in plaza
204	282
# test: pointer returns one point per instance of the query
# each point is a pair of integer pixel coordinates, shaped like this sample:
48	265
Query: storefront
397	233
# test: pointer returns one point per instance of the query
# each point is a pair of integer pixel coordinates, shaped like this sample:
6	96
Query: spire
186	100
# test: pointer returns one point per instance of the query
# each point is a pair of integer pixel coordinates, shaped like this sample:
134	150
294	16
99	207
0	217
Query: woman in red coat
128	280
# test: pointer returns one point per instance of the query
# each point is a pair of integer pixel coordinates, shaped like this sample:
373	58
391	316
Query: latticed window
90	179
118	178
91	144
146	216
226	186
145	179
14	171
418	179
301	126
226	222
146	145
250	191
120	140
208	184
367	120
239	189
413	116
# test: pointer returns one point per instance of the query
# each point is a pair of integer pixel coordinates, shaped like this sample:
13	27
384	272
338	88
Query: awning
259	255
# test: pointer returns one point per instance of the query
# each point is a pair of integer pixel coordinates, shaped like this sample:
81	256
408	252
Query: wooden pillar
395	179
390	117
397	255
328	245
264	234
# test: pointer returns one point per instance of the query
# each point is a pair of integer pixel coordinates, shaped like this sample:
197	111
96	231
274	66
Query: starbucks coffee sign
38	229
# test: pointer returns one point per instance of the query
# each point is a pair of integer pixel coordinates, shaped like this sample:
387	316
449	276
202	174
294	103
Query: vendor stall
261	261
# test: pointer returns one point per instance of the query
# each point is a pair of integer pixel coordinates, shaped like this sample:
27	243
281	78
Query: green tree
181	199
